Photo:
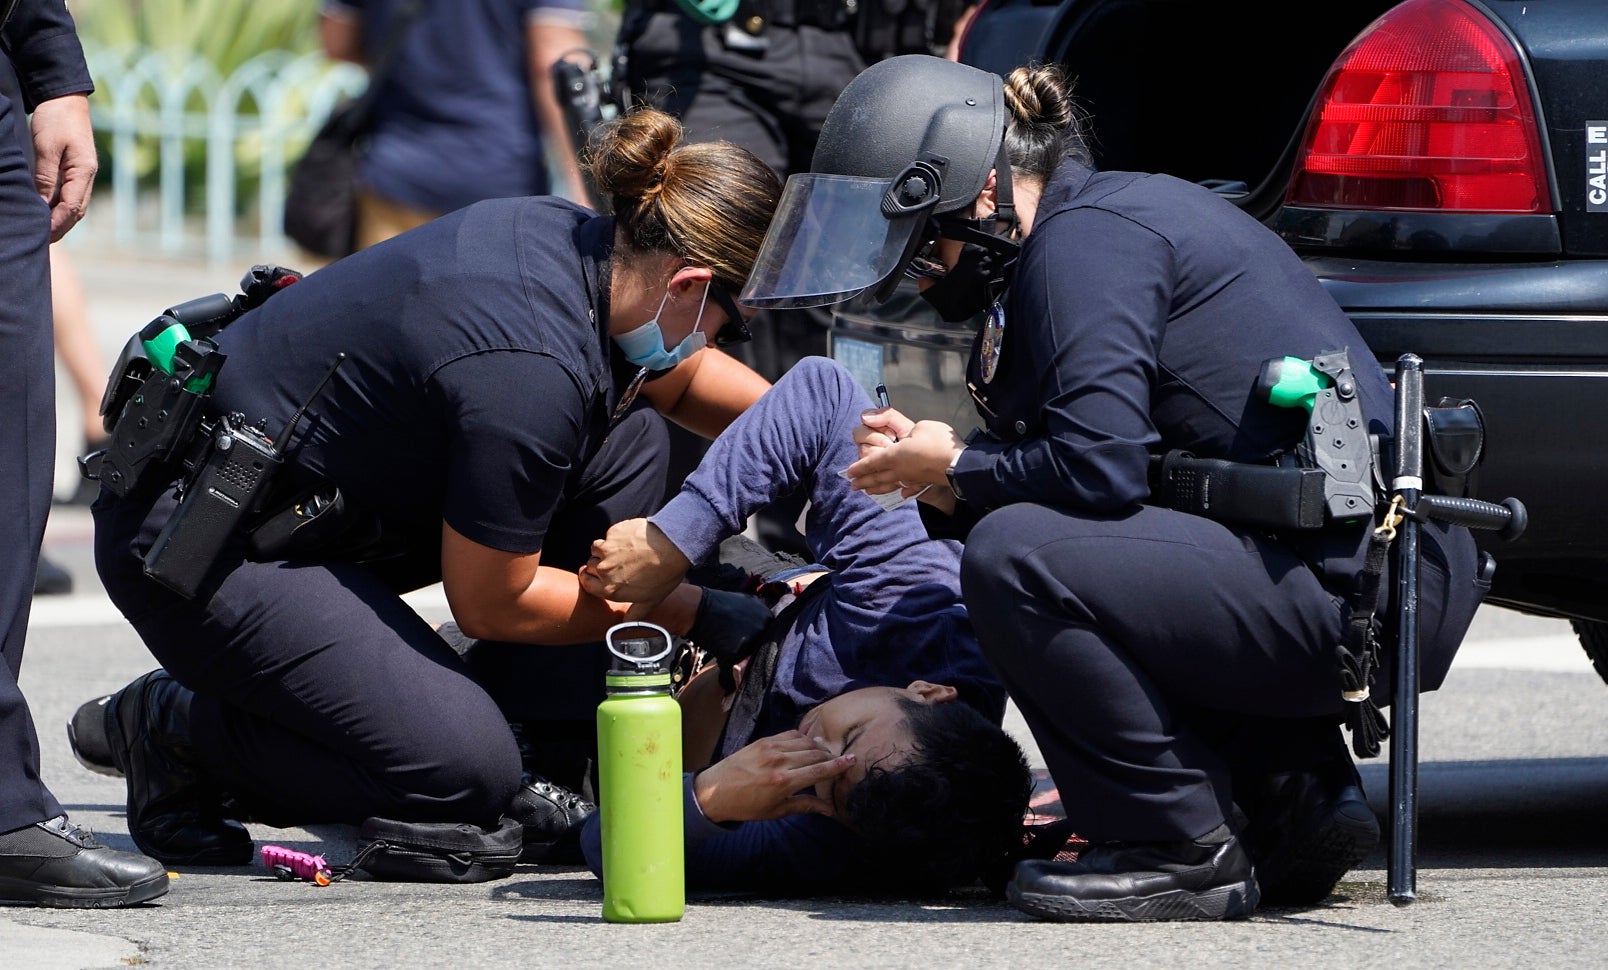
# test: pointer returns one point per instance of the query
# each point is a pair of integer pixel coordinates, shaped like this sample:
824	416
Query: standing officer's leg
43	858
27	460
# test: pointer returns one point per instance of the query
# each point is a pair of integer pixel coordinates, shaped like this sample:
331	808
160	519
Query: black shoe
52	580
1307	829
86	736
173	816
1208	878
56	863
552	816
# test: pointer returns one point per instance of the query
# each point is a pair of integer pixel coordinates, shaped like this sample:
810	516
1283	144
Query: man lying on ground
861	749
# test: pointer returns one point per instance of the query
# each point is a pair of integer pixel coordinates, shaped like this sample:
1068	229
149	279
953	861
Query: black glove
723	575
729	626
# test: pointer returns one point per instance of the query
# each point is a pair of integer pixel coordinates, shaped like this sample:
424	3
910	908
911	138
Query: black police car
1441	165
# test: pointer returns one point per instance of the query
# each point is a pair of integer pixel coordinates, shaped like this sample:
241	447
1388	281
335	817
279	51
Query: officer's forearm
707	392
554	610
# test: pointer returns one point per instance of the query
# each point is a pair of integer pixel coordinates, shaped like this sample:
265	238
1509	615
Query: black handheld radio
227	487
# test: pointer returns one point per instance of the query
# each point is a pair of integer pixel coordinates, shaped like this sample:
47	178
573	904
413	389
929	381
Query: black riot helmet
909	140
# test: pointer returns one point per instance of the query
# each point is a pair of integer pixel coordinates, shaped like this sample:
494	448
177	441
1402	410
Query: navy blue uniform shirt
41	44
1140	314
456	121
478	373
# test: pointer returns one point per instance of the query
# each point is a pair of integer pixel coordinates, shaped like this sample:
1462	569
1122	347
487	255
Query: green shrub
222	34
227	33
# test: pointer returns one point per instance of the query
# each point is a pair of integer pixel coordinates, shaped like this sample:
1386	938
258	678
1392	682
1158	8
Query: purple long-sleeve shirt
891	615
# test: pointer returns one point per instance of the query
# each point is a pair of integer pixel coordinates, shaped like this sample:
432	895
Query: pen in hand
896	497
882	399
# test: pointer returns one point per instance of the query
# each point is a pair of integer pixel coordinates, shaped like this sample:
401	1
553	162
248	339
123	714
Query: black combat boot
173	815
56	863
1208	878
552	816
1308	828
86	736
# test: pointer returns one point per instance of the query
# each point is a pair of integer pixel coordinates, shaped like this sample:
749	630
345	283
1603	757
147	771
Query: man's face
870	724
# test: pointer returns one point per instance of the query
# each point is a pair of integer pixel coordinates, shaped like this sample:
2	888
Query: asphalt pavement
1513	851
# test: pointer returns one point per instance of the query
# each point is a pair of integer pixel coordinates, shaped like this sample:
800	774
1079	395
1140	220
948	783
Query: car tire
1593	636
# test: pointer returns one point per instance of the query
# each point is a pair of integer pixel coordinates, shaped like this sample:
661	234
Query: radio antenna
281	442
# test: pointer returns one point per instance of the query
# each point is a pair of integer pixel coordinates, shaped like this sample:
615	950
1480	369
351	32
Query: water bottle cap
639	648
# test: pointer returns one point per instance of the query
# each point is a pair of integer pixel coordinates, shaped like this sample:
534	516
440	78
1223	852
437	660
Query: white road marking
1561	653
94	609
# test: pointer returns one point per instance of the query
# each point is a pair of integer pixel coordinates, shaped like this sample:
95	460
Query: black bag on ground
321	200
436	851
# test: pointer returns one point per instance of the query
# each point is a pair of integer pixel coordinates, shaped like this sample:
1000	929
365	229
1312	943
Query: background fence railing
197	162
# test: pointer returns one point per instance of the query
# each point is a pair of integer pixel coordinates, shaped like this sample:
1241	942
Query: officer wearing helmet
1177	672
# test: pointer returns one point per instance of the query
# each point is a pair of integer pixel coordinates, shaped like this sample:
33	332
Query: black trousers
320	696
1136	645
27	454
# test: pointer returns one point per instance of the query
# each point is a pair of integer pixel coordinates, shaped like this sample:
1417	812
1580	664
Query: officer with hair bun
1176	671
498	408
763	74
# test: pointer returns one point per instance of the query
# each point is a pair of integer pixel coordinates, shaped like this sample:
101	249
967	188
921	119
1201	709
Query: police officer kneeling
1176	671
479	433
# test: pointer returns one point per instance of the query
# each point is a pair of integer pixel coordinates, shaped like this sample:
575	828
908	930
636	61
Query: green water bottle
639	777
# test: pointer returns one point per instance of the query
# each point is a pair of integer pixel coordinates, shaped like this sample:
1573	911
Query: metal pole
1408	483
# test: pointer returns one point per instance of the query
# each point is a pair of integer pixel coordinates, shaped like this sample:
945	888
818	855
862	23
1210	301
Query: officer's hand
634	563
918	459
771	778
880	427
64	159
729	626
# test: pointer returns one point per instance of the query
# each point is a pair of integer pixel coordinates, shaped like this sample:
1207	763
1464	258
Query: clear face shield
830	241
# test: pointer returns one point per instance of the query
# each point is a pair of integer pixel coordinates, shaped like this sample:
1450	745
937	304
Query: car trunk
1184	87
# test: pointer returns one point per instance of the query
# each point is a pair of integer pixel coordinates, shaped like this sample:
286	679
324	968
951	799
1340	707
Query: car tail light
1428	109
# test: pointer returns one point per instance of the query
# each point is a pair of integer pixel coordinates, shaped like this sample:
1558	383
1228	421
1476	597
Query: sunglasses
735	329
923	266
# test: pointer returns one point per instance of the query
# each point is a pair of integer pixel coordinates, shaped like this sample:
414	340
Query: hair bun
630	157
1040	95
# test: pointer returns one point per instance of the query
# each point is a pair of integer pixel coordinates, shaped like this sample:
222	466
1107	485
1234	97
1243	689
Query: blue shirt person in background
467	112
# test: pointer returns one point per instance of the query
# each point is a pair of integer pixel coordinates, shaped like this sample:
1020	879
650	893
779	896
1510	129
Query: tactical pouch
437	851
321	524
1454	431
1238	493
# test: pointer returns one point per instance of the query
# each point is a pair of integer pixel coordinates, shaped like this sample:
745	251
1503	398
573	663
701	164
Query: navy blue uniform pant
320	696
27	454
1135	644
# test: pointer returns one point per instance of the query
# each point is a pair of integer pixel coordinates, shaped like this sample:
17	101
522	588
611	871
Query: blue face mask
644	346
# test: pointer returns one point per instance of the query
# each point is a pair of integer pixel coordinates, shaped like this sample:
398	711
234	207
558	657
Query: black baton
1408	484
1509	520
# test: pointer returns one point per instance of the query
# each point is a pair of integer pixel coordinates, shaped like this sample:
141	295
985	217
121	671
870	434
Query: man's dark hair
953	809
